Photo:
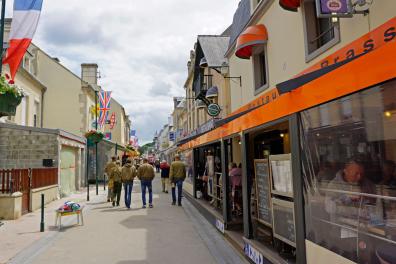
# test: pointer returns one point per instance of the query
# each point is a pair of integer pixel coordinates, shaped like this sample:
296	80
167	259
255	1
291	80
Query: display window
209	175
348	165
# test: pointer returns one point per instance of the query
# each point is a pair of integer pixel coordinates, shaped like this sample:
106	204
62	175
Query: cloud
141	46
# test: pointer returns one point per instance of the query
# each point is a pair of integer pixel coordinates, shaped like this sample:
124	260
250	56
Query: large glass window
349	175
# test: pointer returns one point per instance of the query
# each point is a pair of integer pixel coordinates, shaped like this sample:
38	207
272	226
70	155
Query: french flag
23	26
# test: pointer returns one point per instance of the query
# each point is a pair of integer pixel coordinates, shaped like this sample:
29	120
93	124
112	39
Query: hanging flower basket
94	137
10	97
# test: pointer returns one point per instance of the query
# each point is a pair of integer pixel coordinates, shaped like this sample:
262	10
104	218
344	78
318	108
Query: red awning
252	36
290	5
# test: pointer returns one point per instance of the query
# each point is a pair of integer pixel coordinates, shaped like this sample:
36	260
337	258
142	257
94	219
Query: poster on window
281	172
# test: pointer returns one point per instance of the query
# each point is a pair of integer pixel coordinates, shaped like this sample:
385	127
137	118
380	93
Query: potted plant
10	96
94	136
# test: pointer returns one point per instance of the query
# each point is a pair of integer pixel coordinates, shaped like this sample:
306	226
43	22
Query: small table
60	213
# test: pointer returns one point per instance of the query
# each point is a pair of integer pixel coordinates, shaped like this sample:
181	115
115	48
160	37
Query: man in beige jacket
128	173
177	175
146	175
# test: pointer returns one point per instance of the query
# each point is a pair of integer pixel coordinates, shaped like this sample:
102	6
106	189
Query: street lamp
224	70
3	6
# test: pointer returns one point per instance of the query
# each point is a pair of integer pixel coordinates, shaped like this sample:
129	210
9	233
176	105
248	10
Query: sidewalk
16	235
163	234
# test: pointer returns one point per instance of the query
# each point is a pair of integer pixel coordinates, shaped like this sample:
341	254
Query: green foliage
144	148
9	88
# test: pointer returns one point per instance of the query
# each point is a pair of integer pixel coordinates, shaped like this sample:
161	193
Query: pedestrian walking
157	165
128	173
116	175
165	175
177	175
109	167
146	175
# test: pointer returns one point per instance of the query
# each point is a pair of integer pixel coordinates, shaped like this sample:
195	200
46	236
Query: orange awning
252	36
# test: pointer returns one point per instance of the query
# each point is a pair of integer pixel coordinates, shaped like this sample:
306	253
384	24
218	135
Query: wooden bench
61	213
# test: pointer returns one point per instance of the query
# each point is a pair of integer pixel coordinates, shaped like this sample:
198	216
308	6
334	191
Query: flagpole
96	144
3	5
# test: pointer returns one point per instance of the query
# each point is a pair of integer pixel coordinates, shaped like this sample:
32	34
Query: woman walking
164	175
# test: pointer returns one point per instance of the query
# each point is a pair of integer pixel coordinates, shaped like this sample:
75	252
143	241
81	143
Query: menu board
284	226
263	191
282	177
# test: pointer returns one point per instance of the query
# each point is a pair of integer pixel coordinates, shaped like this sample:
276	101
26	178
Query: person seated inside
342	202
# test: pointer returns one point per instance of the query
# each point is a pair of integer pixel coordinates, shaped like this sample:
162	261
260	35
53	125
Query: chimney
89	73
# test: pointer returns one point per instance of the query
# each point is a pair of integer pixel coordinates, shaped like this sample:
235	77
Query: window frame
257	51
309	56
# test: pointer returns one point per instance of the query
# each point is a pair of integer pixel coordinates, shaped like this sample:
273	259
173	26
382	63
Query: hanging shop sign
213	110
108	136
171	136
333	8
112	120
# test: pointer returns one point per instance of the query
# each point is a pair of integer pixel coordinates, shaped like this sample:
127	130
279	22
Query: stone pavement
163	234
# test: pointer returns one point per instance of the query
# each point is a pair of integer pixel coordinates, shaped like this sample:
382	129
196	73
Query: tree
143	149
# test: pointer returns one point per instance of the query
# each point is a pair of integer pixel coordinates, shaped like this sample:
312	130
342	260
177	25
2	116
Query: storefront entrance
270	197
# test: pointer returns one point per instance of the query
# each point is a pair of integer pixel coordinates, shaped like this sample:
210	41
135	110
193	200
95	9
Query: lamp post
96	144
3	6
87	171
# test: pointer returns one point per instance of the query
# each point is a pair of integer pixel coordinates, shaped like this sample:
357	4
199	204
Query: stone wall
24	147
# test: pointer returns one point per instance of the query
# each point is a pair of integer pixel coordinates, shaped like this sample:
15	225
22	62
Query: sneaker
108	200
179	204
173	203
113	203
151	206
143	207
166	191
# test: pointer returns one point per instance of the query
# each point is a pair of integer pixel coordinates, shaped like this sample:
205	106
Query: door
68	170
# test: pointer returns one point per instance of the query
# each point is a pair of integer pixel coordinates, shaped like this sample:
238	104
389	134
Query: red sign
112	120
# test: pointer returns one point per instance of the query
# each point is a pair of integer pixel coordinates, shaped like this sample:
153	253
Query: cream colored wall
317	254
286	46
32	93
61	101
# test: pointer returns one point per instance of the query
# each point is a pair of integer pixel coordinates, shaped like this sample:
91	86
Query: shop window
320	33
346	107
350	176
260	68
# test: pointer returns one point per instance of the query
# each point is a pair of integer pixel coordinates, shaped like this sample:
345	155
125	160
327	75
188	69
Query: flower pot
95	138
8	104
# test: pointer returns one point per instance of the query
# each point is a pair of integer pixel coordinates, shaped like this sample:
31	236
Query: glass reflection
348	155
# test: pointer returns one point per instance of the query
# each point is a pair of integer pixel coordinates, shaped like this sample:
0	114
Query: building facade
310	112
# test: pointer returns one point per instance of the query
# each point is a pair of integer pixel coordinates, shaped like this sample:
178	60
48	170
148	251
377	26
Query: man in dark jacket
176	176
164	175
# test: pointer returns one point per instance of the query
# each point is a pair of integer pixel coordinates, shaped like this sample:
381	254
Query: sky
141	46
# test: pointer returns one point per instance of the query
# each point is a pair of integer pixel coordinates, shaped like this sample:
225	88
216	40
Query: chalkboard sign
284	227
263	191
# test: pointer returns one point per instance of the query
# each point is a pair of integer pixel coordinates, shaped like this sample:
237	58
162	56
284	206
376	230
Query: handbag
205	177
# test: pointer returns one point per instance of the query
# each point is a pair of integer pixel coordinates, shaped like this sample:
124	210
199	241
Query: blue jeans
149	186
128	190
179	185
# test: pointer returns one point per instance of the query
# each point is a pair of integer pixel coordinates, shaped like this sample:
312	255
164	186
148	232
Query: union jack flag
104	107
